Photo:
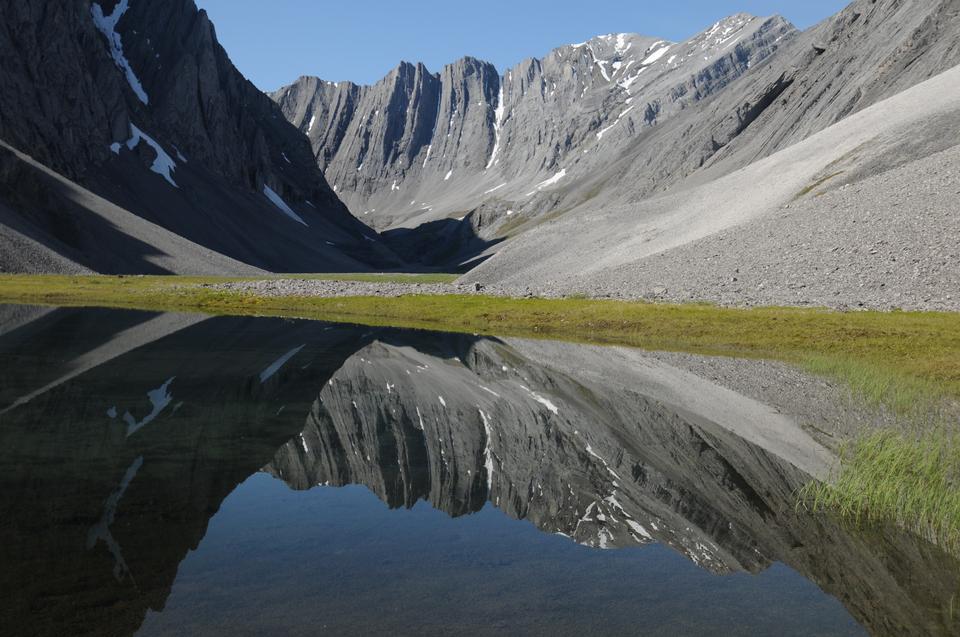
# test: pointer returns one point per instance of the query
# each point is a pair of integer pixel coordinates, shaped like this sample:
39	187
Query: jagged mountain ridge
137	102
419	146
778	89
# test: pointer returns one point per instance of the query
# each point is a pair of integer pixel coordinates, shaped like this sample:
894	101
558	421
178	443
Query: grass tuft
893	476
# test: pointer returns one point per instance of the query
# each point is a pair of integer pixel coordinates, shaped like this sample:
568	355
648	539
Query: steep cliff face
868	52
137	102
418	147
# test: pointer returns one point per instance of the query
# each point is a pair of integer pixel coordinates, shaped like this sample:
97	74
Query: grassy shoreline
896	359
903	361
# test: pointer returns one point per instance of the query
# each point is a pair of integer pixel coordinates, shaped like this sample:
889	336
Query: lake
168	474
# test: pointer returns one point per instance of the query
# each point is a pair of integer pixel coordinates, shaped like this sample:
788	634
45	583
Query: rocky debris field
884	243
329	289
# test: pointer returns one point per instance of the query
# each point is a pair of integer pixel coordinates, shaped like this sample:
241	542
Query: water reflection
122	433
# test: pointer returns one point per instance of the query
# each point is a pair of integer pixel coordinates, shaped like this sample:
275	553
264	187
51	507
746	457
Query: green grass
816	184
911	480
907	362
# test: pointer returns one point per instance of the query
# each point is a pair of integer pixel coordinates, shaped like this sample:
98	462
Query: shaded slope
70	230
137	102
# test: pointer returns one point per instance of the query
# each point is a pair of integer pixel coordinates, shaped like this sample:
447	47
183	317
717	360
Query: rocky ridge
419	146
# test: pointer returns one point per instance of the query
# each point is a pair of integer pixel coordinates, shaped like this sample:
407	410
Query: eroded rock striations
420	146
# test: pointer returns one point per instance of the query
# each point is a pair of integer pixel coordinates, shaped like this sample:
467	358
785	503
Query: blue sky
274	42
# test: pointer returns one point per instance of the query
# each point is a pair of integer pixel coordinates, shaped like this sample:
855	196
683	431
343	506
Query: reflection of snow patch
274	367
487	452
101	530
543	401
159	399
420	418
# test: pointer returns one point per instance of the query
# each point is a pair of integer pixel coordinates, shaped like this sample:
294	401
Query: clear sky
275	42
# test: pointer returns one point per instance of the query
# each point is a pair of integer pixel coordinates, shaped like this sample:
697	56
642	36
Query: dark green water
166	475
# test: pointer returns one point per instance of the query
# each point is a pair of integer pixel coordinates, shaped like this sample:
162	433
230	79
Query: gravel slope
892	241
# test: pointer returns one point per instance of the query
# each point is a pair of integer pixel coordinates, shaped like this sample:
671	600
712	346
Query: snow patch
107	25
549	182
497	125
656	55
163	164
638	528
278	201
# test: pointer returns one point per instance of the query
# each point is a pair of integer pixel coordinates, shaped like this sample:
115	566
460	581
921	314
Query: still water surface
170	475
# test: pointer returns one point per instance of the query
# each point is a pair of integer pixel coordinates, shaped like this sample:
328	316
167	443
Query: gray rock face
417	146
138	102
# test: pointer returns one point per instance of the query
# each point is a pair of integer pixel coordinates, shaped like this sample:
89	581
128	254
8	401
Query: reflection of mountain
140	486
585	445
116	450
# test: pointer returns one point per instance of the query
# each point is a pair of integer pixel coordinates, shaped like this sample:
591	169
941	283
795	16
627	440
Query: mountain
128	115
419	146
598	141
846	146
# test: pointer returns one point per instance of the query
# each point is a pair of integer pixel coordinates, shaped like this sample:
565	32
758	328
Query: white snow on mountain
278	201
107	25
